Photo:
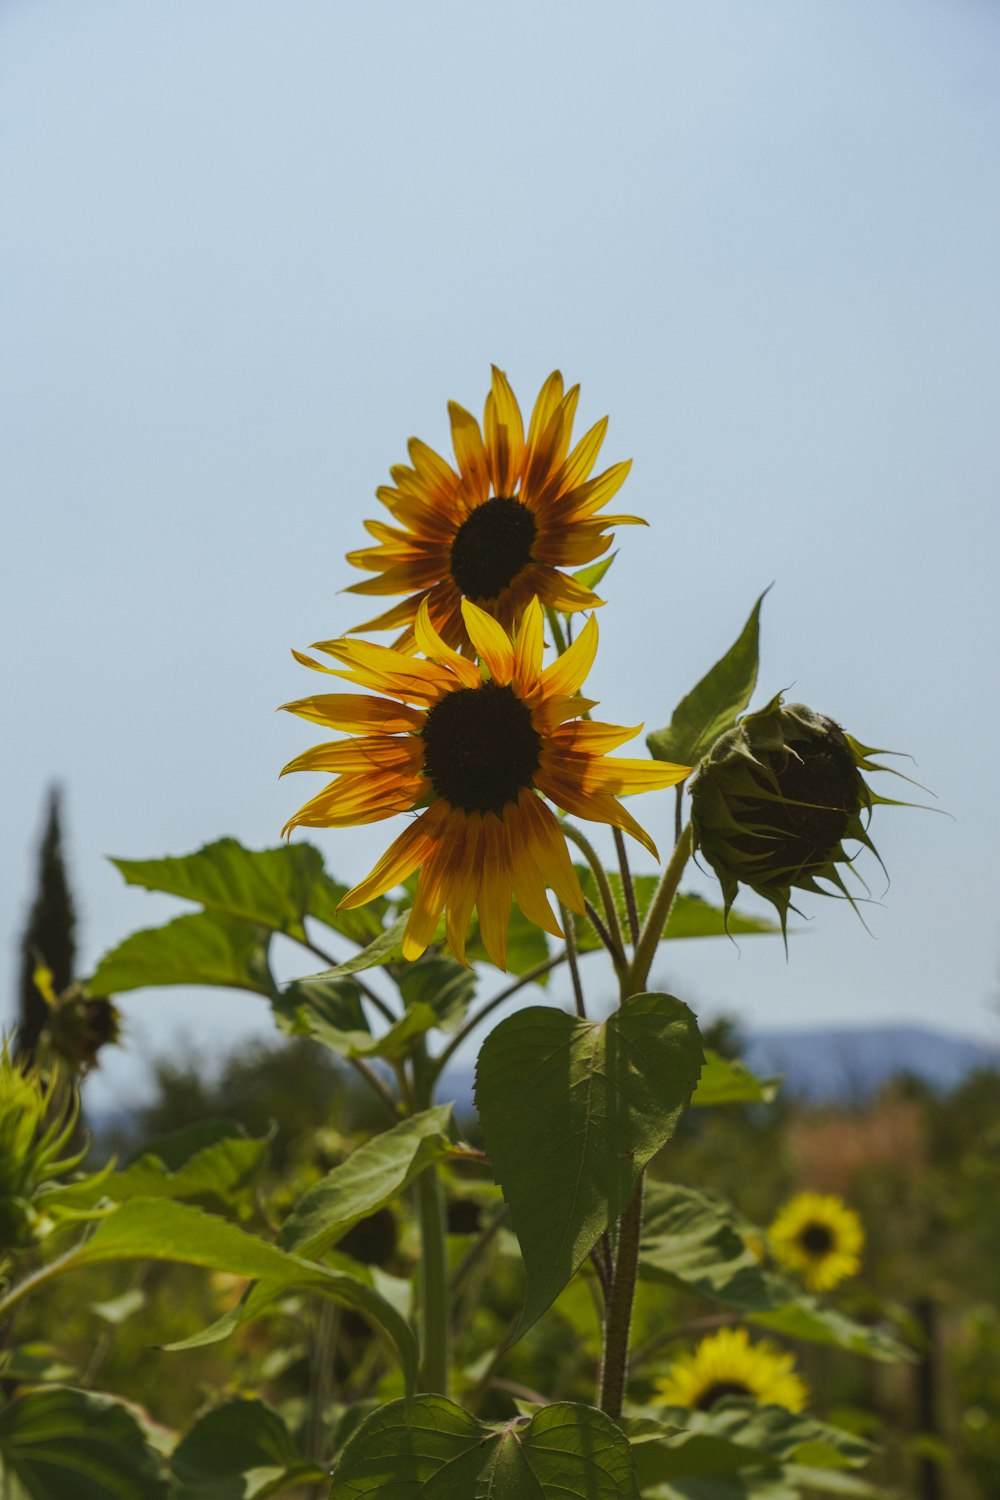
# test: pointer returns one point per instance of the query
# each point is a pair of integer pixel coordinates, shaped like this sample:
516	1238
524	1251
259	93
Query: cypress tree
49	937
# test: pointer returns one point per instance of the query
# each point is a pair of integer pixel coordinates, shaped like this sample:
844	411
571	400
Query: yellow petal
431	644
494	890
402	857
529	884
490	640
504	433
568	672
547	845
470	452
356	713
529	648
464	887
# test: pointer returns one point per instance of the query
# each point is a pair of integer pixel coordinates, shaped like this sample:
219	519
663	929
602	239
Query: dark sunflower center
717	1390
816	1239
818	783
491	547
480	748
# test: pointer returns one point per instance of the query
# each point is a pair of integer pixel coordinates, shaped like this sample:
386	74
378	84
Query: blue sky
249	248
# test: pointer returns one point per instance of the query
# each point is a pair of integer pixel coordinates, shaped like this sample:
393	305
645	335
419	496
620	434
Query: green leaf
695	1240
161	1229
727	1081
211	1163
738	1433
372	1176
571	1112
239	1451
387	948
693	917
715	704
690	916
591	576
328	1010
272	888
441	983
205	948
434	1449
62	1444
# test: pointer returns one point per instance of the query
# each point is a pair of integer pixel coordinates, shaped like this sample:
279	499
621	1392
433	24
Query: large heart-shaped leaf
435	1450
571	1112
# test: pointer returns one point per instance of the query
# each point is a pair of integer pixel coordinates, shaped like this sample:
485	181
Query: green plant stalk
434	1290
600	875
618	1321
435	1293
656	918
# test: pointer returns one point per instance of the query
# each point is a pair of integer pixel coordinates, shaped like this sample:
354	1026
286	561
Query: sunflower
501	529
727	1364
473	749
819	1238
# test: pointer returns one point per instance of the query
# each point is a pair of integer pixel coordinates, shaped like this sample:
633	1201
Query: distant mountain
851	1063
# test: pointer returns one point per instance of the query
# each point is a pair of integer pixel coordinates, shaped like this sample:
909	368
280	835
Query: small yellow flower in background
727	1364
499	532
818	1238
473	752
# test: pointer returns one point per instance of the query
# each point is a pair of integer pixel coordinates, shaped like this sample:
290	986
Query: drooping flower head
502	528
818	1238
477	749
727	1364
775	799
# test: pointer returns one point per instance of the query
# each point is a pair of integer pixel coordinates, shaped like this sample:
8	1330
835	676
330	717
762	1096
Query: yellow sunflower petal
547	844
356	713
504	433
432	645
490	640
402	857
549	398
568	672
493	903
470	452
529	886
529	647
464	890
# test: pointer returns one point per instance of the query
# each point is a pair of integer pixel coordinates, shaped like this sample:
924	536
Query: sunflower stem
600	874
627	886
434	1291
442	1060
657	916
618	1320
571	958
555	626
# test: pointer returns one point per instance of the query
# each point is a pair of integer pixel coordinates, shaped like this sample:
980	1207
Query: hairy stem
656	917
627	886
592	857
571	956
618	1320
434	1297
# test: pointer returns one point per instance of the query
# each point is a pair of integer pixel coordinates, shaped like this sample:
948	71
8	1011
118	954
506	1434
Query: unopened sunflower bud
80	1025
34	1130
775	799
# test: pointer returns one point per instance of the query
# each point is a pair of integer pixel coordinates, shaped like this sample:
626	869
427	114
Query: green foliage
739	1434
375	1174
207	948
435	1449
690	916
714	705
694	1240
239	1451
62	1444
604	1098
728	1081
272	888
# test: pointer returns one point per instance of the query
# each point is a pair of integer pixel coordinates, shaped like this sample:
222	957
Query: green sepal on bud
775	800
35	1129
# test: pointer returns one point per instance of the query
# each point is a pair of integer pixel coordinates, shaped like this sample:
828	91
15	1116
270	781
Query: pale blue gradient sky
248	248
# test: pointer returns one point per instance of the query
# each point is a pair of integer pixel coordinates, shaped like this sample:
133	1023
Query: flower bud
774	800
34	1130
80	1025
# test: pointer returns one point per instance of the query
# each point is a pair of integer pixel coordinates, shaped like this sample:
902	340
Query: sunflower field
626	1266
